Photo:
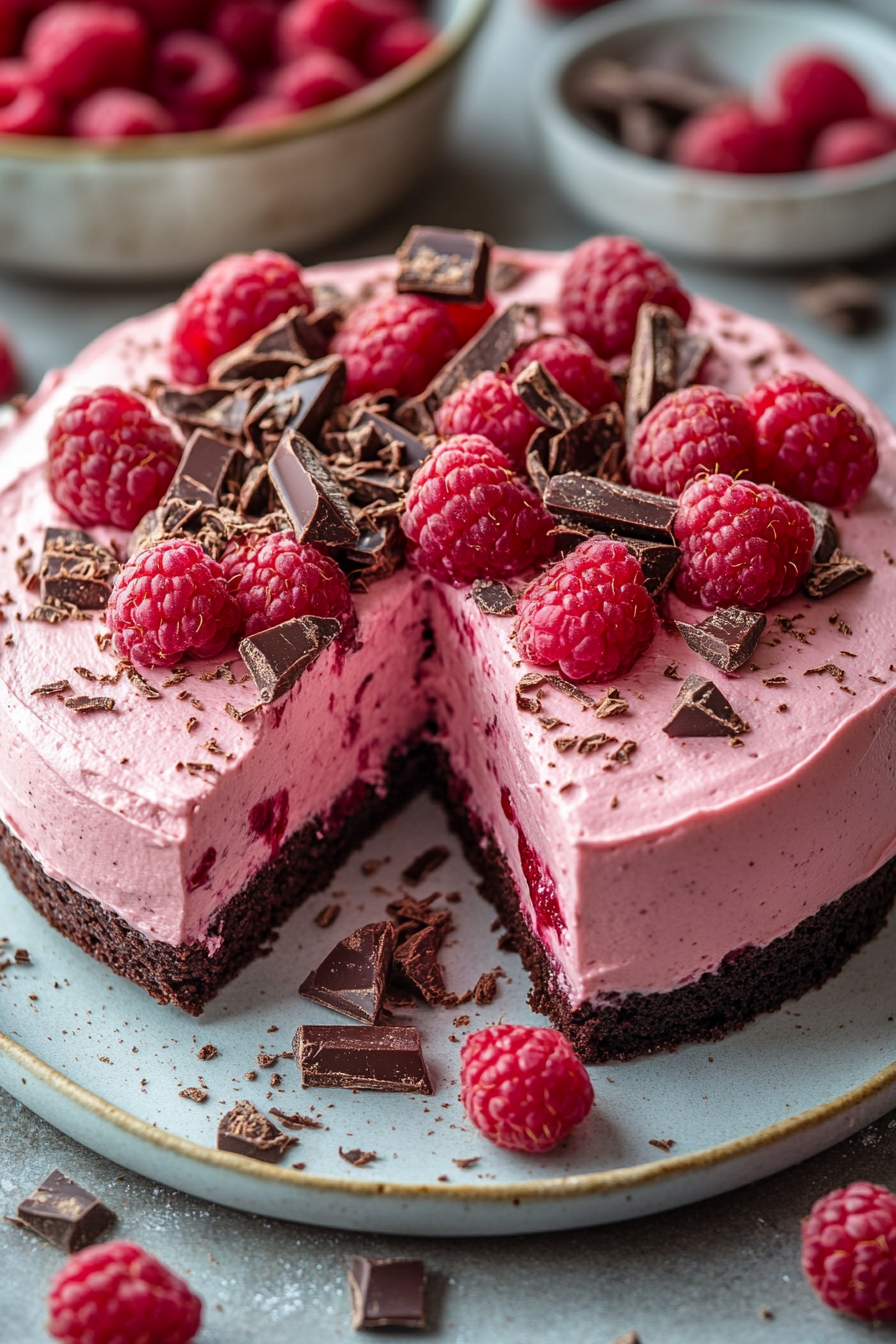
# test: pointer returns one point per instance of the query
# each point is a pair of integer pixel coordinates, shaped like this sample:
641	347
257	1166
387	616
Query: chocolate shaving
611	705
593	743
425	865
88	704
727	638
830	669
834	574
246	1131
141	684
193	1094
446	263
239	714
356	1157
52	688
701	710
327	916
296	1121
844	301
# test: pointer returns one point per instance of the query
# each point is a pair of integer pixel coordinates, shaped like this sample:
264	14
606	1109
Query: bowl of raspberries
742	131
140	139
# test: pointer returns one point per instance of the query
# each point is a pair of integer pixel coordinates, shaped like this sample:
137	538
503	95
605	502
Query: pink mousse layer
638	877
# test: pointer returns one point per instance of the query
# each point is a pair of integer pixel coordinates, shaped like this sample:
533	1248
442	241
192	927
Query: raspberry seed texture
698	428
605	282
116	1292
276	578
849	1251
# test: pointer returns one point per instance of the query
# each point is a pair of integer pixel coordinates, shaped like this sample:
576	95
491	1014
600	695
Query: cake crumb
207	1052
193	1093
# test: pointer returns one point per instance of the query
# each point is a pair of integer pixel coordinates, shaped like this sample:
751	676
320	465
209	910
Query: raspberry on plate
810	443
197	78
605	282
468	517
854	141
110	459
590	614
313	79
489	406
813	89
697	428
233	299
75	47
113	114
732	138
397	341
574	366
849	1251
523	1087
742	545
276	578
117	1291
169	600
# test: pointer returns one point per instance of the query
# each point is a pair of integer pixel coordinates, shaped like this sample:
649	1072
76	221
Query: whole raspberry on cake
604	284
696	429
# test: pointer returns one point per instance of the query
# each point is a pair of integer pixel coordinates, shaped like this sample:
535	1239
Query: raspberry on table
809	442
468	517
75	47
10	377
117	1291
590	614
488	405
110	459
695	429
574	366
169	600
246	28
233	299
277	578
397	341
523	1087
733	138
113	114
854	141
396	43
313	79
812	90
603	286
742	545
849	1251
196	78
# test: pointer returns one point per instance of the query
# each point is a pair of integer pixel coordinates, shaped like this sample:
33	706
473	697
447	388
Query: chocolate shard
727	638
538	390
255	492
415	450
425	864
487	350
654	365
277	657
827	537
316	505
537	456
594	447
270	353
692	350
321	387
372	1059
494	598
833	574
446	263
387	1292
701	710
64	1214
353	977
206	465
416	964
658	562
88	704
609	507
75	569
246	1131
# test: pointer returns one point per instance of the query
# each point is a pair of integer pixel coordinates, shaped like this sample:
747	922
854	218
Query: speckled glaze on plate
102	1061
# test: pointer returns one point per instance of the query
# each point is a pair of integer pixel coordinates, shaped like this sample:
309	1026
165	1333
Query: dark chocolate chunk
387	1292
388	431
494	598
277	657
658	563
537	456
827	537
246	1131
425	864
692	350
270	353
206	465
612	508
727	638
416	964
353	977
844	301
255	492
654	365
75	570
486	351
321	387
87	704
834	574
701	710
316	504
446	263
546	399
373	1059
64	1214
595	447
506	275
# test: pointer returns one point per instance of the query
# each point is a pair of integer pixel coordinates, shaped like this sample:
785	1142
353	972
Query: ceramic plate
103	1062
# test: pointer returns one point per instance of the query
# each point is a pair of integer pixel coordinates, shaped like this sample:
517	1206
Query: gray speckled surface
698	1276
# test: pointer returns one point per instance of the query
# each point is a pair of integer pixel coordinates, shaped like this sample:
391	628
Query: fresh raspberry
810	443
338	25
30	111
276	578
523	1087
573	364
469	318
11	23
261	111
246	28
849	1251
698	428
10	378
315	78
169	600
116	1291
76	47
813	90
110	459
468	517
590	614
605	282
196	77
489	406
165	15
233	299
742	545
15	75
113	114
847	142
397	43
732	138
398	341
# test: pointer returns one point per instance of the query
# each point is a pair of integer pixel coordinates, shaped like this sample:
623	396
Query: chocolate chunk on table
75	569
353	977
827	537
244	1130
446	263
834	574
373	1059
727	638
387	1292
205	467
315	502
277	657
538	390
494	598
64	1214
609	507
491	347
701	710
654	365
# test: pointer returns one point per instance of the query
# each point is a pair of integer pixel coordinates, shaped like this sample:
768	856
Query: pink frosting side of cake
644	875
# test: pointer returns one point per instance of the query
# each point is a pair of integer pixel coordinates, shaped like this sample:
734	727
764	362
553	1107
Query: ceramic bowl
793	217
166	206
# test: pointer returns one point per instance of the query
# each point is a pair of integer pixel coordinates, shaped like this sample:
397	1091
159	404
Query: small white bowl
792	217
166	206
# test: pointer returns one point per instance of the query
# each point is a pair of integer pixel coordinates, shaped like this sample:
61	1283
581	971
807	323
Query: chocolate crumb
190	724
425	864
464	1162
830	668
356	1157
371	866
207	1052
624	753
774	681
241	714
52	688
275	1080
593	743
665	1144
296	1121
193	1093
88	704
565	743
251	1075
486	989
672	672
266	1061
327	916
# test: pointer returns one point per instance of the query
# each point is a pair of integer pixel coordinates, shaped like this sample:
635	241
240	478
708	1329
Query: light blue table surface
699	1276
